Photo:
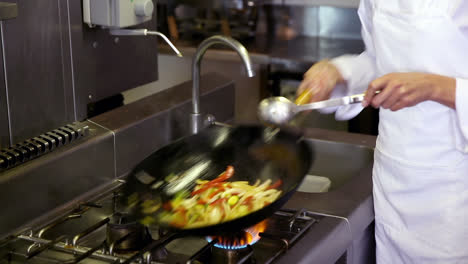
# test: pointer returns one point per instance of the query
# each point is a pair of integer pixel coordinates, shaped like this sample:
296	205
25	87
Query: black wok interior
255	152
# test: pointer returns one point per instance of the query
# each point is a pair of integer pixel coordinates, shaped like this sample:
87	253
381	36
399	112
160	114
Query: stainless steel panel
39	186
307	21
134	143
34	57
339	23
67	74
325	244
351	158
4	121
105	65
314	21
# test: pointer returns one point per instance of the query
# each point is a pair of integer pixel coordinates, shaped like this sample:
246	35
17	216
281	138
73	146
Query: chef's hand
400	90
318	83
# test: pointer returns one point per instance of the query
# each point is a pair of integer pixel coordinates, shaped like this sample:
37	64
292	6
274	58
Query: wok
255	152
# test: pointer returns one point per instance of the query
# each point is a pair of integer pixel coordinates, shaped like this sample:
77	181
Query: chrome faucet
197	121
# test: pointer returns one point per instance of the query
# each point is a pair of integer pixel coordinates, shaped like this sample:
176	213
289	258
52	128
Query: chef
416	57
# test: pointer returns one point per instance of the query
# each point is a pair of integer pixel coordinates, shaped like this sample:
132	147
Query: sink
335	164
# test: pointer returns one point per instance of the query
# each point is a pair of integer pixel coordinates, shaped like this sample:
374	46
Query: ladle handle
352	99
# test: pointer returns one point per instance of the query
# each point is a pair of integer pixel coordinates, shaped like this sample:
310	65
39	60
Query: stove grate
283	229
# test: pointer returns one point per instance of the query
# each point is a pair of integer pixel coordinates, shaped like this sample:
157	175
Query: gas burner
241	239
125	235
231	256
238	240
235	247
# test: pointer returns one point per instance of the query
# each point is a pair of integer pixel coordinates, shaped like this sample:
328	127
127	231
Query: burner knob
144	8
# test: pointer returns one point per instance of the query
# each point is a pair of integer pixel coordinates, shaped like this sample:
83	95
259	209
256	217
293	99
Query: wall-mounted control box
117	13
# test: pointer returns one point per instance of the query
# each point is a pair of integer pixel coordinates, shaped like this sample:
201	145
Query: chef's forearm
461	99
444	90
453	92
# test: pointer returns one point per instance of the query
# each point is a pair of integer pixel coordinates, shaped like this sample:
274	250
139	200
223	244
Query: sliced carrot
167	206
247	200
180	221
224	176
201	201
205	187
218	201
275	185
216	192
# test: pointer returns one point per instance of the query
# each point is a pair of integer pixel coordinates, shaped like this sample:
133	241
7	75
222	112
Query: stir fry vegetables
216	201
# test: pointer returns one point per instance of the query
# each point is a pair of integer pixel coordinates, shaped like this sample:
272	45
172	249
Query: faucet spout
196	116
144	32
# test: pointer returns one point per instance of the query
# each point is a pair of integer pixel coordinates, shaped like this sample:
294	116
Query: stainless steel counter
351	206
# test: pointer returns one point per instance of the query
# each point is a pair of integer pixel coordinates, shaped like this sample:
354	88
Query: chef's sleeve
357	70
461	105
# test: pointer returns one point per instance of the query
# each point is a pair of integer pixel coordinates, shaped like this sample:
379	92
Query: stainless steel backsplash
313	21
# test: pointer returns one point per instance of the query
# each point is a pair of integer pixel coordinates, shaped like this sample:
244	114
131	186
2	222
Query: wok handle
210	120
221	124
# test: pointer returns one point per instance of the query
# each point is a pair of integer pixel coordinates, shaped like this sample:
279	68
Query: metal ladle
279	110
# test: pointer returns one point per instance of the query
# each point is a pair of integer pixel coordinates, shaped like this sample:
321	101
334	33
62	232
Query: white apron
420	173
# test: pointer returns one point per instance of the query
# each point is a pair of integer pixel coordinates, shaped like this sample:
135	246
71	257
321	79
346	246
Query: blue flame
230	247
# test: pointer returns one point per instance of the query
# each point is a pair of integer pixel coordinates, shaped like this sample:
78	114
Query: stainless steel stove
96	232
